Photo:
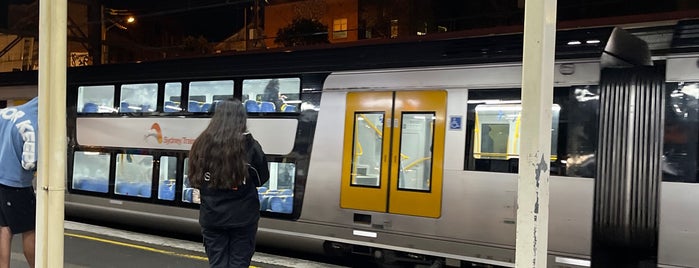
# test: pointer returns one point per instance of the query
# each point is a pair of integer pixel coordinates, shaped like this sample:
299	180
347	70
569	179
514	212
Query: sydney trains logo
154	133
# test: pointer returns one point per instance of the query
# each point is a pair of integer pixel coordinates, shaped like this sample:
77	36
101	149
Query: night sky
215	20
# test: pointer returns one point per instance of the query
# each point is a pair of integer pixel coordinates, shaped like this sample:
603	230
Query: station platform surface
96	246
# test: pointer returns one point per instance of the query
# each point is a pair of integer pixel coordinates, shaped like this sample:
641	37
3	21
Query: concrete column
535	145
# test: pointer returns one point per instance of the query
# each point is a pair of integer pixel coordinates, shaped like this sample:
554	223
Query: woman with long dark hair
226	164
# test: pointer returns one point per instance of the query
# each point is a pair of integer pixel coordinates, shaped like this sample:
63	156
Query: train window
680	162
96	99
416	141
496	131
272	95
201	94
91	171
367	149
166	181
133	175
189	194
493	127
277	195
173	96
138	98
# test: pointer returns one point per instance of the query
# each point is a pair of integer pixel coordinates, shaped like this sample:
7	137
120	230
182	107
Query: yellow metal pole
535	153
53	26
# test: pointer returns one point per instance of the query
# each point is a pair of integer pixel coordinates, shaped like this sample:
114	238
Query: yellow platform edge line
190	256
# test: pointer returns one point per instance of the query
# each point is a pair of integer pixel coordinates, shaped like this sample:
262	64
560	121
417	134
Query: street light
117	18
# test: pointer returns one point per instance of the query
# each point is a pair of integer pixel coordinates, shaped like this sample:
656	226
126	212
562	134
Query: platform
96	246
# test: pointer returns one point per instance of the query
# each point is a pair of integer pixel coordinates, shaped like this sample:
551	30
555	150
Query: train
405	151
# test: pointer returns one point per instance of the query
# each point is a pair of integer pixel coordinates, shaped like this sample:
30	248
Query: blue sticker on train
455	122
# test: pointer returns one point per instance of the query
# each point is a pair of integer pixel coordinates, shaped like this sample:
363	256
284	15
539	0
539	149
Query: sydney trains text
26	129
178	141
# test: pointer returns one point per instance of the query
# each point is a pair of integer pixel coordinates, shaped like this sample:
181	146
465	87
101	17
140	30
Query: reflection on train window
138	98
680	162
91	171
494	139
272	95
496	132
133	175
96	99
189	194
416	141
493	127
173	97
204	93
277	195
366	149
166	180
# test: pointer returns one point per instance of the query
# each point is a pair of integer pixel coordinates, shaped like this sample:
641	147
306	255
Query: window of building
340	28
394	28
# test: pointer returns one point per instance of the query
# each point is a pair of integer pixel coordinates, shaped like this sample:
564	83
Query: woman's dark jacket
229	208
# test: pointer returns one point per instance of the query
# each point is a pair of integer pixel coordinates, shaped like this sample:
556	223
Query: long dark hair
219	151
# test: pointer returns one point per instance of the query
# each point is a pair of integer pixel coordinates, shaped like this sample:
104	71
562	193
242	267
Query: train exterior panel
407	159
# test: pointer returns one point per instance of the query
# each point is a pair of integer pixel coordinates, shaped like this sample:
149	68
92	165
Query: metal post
53	24
103	37
535	148
245	30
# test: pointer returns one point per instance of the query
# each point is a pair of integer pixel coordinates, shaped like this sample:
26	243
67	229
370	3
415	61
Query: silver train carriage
407	152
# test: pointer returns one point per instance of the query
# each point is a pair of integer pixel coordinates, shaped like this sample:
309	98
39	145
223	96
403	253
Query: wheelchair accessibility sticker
455	122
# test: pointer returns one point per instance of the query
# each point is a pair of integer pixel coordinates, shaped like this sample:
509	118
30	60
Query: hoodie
18	147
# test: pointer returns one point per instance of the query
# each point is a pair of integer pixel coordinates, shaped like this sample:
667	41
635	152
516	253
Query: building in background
97	32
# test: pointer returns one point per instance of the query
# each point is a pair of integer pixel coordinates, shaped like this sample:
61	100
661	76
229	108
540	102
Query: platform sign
455	122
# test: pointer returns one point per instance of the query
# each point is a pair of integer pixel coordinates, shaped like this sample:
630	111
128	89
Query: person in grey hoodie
18	158
226	164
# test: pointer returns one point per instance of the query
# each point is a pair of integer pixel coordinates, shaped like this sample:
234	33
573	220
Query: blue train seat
145	108
124	107
91	184
251	106
90	107
126	188
261	192
205	107
166	191
188	195
194	107
267	107
275	204
144	189
287	192
289	108
287	204
78	183
171	107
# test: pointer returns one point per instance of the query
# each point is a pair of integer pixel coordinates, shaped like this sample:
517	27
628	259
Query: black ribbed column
627	186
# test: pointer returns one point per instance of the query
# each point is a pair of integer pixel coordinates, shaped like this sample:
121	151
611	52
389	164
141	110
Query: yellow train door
393	150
